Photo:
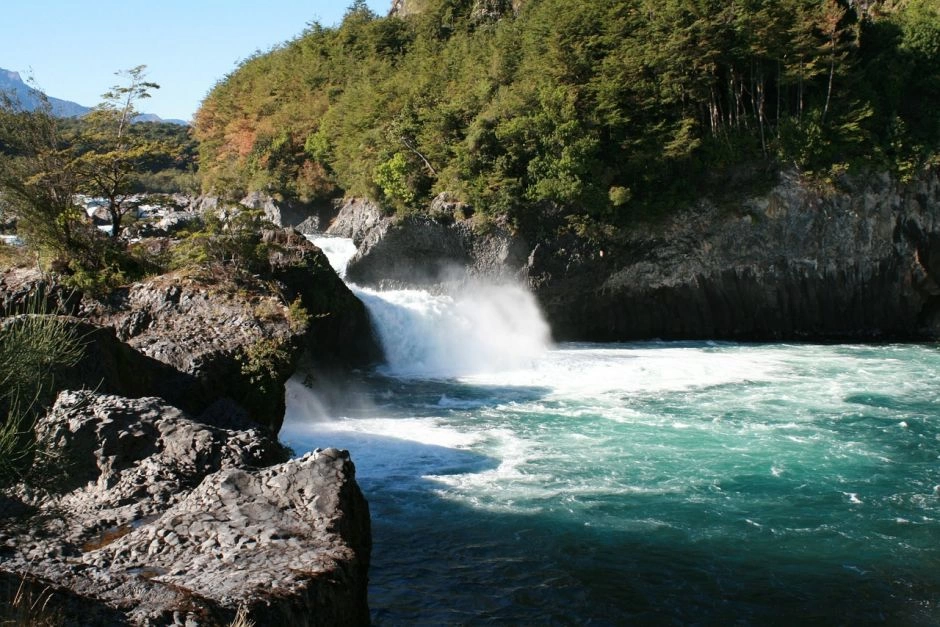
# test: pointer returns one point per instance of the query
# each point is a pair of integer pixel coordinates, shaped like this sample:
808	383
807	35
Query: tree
38	181
112	152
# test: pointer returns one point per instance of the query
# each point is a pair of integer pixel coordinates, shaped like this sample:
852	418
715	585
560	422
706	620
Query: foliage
34	349
29	605
39	183
594	109
297	316
45	162
231	238
263	361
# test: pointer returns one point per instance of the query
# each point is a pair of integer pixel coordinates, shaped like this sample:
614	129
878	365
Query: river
515	481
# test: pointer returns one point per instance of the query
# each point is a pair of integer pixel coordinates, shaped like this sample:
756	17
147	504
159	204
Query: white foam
480	328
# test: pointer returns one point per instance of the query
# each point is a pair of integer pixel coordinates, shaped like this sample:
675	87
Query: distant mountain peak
30	99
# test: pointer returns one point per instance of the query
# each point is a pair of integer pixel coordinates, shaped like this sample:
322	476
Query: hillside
581	115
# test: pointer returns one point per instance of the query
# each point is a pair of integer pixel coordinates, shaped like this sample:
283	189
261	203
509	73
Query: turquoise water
649	483
512	481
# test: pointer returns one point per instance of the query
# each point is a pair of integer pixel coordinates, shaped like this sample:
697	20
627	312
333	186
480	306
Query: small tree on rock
110	152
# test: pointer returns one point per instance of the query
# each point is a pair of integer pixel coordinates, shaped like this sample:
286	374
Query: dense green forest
596	110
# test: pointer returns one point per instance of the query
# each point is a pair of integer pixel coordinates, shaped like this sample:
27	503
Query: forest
594	112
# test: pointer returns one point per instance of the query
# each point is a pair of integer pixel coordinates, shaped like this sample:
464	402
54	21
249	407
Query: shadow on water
884	401
439	562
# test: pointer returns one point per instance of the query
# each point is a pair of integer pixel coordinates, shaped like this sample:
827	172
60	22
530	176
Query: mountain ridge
30	99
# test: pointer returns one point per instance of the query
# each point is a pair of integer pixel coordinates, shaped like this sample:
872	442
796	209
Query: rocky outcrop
355	218
151	518
27	290
235	338
800	262
797	263
338	331
306	218
482	10
425	251
208	334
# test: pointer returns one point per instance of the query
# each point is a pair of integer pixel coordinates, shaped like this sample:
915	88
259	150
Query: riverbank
141	509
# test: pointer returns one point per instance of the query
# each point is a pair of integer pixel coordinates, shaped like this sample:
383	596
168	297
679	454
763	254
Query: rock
309	225
27	290
160	517
235	336
339	332
281	212
356	217
481	10
203	204
794	264
426	251
220	341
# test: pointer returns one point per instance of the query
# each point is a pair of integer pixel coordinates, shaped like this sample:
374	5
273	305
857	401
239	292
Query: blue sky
73	48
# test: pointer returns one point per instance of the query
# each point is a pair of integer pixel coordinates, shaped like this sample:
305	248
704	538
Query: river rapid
513	481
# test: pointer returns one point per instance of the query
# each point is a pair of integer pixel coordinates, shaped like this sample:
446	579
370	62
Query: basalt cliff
854	260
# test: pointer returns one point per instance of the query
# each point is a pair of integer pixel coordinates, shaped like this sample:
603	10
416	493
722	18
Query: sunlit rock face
160	517
483	10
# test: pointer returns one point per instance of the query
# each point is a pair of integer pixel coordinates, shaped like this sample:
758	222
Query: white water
476	327
339	250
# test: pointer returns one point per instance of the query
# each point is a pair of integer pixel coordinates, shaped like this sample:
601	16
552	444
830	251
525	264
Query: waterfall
473	328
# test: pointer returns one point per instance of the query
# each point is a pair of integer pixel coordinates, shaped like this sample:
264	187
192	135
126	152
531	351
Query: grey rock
283	213
861	262
427	251
237	339
356	217
796	263
27	290
160	518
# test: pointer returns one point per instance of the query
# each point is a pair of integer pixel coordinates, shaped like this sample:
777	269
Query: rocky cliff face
482	10
860	262
237	338
153	518
184	508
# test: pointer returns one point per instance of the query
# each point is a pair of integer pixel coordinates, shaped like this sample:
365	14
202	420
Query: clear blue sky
73	48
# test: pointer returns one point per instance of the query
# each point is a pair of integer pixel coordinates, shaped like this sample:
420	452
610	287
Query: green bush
34	349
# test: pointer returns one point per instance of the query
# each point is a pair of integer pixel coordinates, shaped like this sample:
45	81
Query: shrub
34	348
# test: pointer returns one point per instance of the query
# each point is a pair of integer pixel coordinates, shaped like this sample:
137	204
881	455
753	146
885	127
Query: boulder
356	217
425	251
339	332
220	343
152	518
27	290
283	213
